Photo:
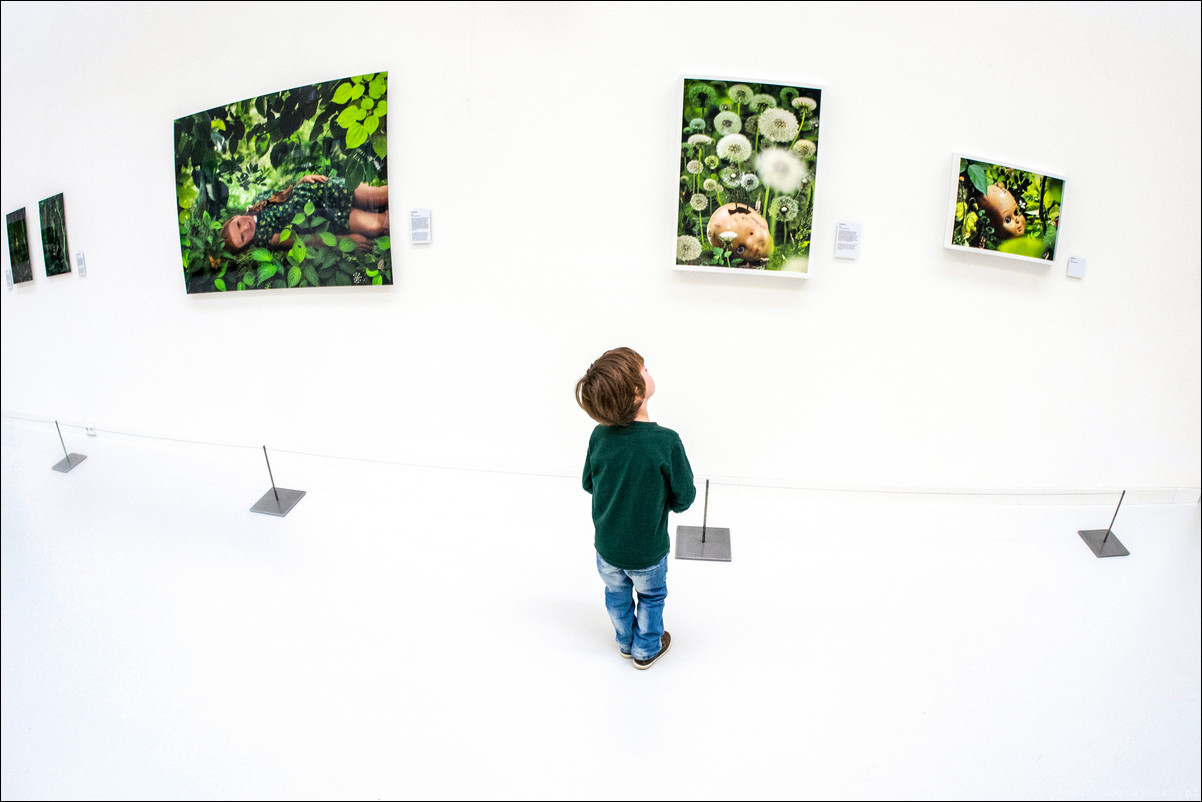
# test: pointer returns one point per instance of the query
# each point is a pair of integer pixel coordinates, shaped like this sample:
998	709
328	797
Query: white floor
417	633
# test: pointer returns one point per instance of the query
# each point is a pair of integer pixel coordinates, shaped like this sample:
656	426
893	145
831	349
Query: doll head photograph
748	168
1004	210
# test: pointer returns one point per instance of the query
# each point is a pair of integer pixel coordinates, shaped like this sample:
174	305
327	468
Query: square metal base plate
1111	548
268	506
716	546
68	462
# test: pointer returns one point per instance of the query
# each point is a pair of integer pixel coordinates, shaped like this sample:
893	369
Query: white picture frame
747	182
1002	209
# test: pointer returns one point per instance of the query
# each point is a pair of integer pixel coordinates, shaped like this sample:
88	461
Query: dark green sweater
636	473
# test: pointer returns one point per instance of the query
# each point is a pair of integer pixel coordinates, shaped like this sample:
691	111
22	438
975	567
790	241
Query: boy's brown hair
612	389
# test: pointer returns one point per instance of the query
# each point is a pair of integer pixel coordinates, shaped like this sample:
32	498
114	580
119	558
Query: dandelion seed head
761	102
727	122
701	94
734	148
805	149
741	93
779	125
780	169
687	248
785	207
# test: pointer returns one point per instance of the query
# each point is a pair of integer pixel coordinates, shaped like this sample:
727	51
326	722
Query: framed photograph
1004	210
748	169
18	246
54	235
286	190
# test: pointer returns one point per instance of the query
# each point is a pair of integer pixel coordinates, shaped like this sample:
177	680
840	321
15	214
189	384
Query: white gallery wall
543	137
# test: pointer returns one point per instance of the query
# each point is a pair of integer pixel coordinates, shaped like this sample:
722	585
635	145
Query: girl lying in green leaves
316	204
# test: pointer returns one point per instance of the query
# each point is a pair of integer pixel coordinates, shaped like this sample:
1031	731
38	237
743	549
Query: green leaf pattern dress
331	199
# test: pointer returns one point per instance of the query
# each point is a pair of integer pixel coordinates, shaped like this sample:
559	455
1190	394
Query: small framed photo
18	246
748	169
1004	210
53	216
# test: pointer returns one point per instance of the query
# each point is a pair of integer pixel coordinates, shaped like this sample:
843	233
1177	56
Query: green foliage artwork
286	190
54	235
1006	210
748	164
18	246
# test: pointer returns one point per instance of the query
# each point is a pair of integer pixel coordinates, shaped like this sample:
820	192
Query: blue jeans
638	631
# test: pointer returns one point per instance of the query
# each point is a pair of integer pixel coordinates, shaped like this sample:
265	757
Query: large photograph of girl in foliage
287	190
748	163
1006	210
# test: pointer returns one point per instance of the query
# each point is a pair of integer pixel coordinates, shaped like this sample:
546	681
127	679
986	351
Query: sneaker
665	643
627	655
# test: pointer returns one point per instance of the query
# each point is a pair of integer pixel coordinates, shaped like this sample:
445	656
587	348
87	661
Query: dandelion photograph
748	165
18	246
1004	210
54	235
286	190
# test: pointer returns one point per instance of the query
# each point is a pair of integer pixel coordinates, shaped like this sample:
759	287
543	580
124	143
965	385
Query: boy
636	472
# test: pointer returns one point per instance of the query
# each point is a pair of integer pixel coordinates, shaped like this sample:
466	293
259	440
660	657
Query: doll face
752	242
1004	210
